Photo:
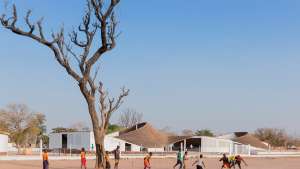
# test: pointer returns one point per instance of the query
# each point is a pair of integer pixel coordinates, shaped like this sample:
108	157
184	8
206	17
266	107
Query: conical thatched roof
249	139
4	133
145	135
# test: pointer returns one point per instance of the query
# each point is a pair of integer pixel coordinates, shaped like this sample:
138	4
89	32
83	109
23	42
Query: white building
83	139
143	137
3	143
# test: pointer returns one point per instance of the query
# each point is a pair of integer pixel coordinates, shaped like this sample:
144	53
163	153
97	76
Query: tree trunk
99	133
100	150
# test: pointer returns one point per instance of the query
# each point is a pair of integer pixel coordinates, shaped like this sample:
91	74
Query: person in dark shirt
117	155
239	160
225	161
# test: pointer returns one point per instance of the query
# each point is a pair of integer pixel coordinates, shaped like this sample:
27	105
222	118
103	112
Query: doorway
64	141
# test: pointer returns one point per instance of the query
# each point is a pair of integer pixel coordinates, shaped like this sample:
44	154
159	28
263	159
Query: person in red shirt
83	158
147	161
239	160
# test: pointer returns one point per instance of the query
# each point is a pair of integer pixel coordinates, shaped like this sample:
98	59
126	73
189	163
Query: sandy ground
212	163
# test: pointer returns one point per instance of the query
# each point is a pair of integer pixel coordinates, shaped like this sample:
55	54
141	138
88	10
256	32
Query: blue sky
225	65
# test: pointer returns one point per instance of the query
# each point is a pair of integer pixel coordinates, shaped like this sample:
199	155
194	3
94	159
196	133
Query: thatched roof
146	136
4	133
249	139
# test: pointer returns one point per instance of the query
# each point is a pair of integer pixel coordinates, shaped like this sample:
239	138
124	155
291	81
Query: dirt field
254	163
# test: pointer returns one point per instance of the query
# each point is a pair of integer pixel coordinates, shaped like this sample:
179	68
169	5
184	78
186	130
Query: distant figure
239	160
225	161
179	160
117	156
199	162
107	160
147	164
185	160
45	159
83	158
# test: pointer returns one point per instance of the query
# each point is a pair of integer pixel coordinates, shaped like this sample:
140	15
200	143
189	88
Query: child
179	159
185	159
83	158
147	161
45	159
117	155
199	162
225	161
239	160
232	161
107	160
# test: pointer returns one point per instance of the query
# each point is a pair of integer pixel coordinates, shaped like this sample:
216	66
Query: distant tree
275	137
79	126
204	132
24	126
187	132
45	140
129	118
114	128
168	130
63	129
3	122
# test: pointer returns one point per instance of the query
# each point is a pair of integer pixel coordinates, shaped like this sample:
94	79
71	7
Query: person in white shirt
199	162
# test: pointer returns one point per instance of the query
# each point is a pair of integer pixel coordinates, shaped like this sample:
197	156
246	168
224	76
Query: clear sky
224	65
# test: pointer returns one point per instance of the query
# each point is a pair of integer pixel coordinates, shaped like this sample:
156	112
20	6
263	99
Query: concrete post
181	146
249	150
41	146
236	149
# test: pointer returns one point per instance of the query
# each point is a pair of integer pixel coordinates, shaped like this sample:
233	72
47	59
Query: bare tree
187	132
79	126
98	23
275	137
130	117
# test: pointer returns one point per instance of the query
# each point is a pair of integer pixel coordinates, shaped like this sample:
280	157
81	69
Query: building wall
215	145
156	149
110	142
78	140
75	140
55	140
135	148
3	144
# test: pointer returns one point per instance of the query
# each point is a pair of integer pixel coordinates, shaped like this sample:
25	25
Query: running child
225	161
199	162
179	160
232	161
83	158
239	160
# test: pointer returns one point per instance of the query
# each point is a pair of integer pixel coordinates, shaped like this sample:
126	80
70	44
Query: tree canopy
24	125
204	132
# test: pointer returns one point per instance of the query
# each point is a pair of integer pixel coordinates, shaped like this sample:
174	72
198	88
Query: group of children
232	161
182	158
228	163
83	160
